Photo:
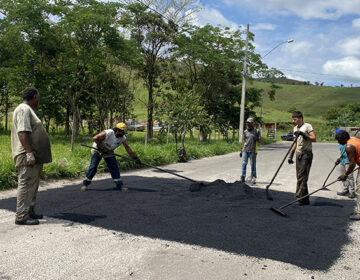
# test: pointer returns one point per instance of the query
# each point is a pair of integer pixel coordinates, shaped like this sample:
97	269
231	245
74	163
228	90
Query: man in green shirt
30	146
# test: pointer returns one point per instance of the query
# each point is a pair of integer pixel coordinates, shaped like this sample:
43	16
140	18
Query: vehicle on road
288	136
133	125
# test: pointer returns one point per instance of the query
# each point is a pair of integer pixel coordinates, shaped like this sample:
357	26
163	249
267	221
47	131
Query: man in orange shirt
353	152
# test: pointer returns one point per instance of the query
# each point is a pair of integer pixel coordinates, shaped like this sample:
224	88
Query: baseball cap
121	126
250	120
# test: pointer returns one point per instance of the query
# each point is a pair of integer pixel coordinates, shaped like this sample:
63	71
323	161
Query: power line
314	73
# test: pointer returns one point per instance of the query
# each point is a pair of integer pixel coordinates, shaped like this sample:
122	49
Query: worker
352	150
30	146
105	143
348	185
304	156
249	150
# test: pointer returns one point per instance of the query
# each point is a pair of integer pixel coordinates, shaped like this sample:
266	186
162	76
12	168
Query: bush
69	165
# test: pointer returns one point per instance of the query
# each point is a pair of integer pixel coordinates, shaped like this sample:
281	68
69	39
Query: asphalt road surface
160	230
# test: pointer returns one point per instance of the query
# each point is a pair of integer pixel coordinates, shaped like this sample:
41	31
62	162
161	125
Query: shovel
278	210
195	186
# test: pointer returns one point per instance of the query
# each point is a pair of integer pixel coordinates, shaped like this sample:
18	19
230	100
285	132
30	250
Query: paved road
159	230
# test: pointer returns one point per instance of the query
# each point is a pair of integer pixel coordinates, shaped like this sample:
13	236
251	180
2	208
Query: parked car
134	126
288	136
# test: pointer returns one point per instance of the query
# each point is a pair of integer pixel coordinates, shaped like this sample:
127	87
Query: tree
212	59
154	29
181	111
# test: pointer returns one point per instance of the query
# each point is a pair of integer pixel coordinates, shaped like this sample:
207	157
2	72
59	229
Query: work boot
35	216
120	186
242	180
253	180
351	195
303	202
355	217
27	222
343	193
84	188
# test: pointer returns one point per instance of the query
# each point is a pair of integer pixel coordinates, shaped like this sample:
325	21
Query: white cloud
356	23
299	48
307	9
213	17
294	77
347	67
264	26
350	46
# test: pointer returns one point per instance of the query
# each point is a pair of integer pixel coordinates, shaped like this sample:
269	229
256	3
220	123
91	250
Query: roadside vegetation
67	164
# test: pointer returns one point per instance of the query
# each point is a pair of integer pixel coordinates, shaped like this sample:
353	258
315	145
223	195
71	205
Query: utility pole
242	105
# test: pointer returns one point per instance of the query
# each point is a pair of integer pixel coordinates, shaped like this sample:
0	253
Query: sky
326	33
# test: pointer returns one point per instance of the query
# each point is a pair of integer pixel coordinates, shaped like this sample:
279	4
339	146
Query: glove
291	155
240	154
337	162
303	134
135	158
104	150
342	177
30	158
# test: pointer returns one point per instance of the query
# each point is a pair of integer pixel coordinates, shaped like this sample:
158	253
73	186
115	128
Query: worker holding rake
104	145
304	156
352	150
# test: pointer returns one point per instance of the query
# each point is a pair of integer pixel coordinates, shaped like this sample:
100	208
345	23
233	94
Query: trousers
245	158
111	164
303	165
348	185
357	192
28	184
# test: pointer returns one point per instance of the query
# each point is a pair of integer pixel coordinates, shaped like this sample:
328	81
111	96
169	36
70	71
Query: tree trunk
203	137
150	110
74	128
67	121
111	124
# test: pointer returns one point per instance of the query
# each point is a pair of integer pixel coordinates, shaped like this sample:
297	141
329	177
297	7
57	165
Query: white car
134	126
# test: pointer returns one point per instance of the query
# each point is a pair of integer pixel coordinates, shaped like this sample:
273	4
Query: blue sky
326	35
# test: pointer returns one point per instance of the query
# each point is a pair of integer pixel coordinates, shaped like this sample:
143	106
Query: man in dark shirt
249	150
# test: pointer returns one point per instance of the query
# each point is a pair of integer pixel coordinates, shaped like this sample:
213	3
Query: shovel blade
268	196
195	187
279	212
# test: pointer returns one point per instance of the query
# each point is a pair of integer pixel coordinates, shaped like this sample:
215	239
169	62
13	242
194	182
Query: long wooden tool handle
305	196
146	164
281	164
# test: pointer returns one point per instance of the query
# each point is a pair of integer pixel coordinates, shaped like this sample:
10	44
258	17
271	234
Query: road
160	230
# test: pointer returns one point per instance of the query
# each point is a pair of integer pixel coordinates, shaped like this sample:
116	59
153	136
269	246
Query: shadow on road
311	237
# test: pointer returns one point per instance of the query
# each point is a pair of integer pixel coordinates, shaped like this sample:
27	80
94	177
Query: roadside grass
313	101
71	165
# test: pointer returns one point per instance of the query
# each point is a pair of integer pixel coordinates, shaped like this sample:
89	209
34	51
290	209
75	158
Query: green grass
69	165
312	101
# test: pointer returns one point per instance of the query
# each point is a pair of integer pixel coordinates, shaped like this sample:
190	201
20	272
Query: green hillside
313	101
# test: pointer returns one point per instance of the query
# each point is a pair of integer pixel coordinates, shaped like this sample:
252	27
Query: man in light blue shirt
348	184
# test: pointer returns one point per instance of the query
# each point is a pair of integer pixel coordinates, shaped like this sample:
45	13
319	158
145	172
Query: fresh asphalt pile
219	188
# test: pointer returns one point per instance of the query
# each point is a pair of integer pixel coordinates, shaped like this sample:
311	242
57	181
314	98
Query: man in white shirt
304	156
107	141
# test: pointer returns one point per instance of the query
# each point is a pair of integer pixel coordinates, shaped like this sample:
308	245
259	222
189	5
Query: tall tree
153	24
